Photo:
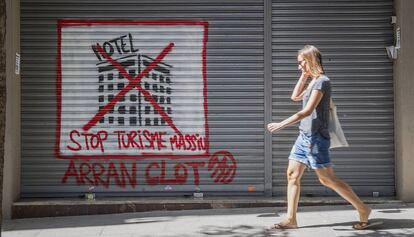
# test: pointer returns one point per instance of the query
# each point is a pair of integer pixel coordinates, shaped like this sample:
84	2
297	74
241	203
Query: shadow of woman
387	225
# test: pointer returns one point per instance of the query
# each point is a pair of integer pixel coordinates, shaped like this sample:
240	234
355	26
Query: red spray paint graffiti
223	167
138	140
147	125
221	164
96	174
126	71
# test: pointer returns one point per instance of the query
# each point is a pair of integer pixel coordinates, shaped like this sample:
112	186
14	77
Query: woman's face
302	64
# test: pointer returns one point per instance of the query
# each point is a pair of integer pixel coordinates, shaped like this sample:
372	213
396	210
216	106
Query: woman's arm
299	89
314	100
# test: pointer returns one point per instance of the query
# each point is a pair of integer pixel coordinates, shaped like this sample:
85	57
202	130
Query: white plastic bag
335	130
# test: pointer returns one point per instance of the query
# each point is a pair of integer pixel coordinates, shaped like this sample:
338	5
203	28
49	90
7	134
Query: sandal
365	225
281	226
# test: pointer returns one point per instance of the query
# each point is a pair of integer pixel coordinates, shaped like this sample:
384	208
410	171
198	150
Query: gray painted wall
404	105
11	179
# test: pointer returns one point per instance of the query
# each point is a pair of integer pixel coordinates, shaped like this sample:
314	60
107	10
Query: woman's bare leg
294	174
328	178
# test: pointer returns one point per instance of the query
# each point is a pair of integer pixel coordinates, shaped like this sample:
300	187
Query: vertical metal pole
268	96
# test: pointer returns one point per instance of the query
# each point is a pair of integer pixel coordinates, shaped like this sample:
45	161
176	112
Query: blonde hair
313	59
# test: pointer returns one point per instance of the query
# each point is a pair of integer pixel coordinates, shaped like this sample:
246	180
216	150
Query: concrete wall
11	179
404	102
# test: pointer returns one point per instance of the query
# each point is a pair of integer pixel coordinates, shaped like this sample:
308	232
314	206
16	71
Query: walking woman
312	145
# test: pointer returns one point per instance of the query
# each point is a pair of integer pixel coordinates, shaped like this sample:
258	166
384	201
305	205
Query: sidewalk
324	221
53	207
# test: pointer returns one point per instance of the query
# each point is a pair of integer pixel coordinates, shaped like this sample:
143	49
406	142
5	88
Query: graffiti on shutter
141	90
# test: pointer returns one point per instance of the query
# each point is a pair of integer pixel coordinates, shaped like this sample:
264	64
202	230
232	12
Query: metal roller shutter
234	94
352	36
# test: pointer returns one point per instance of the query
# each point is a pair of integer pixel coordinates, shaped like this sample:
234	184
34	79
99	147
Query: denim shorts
311	150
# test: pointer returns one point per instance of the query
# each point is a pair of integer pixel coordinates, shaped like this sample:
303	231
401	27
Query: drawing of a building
158	83
134	109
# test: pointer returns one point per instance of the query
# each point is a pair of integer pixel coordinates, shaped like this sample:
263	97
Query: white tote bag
335	130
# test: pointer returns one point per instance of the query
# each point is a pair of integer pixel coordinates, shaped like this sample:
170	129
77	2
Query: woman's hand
274	127
299	90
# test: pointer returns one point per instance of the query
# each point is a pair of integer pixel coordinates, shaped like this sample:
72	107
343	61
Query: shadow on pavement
234	231
390	227
392	211
387	228
126	218
269	215
80	221
388	224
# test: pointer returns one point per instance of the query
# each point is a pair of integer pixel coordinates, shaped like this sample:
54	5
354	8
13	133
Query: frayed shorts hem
312	166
